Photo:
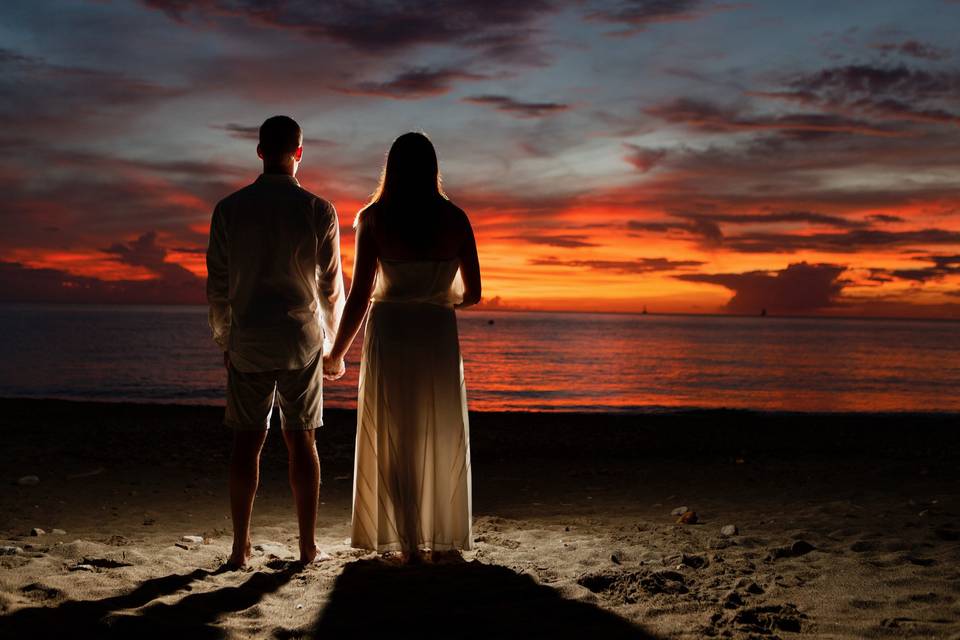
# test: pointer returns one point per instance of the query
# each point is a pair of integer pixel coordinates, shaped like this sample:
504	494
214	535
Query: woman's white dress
411	486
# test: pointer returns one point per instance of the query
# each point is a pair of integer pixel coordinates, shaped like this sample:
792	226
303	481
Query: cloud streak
637	266
414	84
518	108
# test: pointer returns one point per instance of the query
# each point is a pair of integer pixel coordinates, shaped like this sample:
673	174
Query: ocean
522	361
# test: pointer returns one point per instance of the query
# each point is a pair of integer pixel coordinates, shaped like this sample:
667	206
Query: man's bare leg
244	480
304	472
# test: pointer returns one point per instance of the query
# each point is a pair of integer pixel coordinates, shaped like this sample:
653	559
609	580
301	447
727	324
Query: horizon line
715	314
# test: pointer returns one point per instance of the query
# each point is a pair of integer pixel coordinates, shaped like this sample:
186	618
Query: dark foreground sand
848	527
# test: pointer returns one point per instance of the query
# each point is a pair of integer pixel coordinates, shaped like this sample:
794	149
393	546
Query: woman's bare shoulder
367	216
458	214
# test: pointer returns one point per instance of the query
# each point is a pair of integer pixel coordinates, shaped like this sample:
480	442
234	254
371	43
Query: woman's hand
333	368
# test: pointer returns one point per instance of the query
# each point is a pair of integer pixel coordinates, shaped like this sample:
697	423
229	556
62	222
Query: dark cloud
855	236
914	49
19	283
765	172
941	266
413	84
494	27
839	83
809	217
90	196
799	288
711	118
518	108
707	231
884	217
879	276
145	252
841	242
40	97
640	265
170	283
885	93
637	15
567	241
643	158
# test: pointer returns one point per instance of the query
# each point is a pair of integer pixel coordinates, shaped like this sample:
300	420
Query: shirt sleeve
329	271
218	287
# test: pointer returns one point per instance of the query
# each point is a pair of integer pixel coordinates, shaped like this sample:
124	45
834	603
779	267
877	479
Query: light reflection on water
522	361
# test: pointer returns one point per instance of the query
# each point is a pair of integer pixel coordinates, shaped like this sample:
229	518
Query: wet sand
848	526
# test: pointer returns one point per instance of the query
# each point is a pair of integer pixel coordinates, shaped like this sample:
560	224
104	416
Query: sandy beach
847	526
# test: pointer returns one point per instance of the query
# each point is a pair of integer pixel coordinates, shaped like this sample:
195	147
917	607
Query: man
276	295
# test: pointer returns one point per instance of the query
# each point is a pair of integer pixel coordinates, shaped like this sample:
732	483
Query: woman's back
434	230
418	251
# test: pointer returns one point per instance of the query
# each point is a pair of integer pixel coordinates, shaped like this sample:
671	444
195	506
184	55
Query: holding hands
333	368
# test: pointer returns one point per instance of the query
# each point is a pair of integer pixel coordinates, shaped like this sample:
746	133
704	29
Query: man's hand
226	360
333	369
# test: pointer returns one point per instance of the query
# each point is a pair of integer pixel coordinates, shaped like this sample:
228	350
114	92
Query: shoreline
645	411
667	314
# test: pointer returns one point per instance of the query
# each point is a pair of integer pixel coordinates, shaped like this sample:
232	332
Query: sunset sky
687	156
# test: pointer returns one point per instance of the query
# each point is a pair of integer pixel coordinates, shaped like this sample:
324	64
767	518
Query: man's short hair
279	136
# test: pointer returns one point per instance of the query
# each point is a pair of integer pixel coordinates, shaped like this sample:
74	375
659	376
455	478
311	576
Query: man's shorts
299	392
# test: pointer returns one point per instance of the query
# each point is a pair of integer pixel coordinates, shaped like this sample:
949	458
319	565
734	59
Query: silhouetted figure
417	259
275	288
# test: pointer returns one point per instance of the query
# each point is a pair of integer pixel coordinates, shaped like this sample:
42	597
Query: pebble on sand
688	517
192	539
58	532
679	511
8	550
28	481
729	530
37	531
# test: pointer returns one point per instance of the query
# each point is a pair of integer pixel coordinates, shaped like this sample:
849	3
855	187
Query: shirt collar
277	178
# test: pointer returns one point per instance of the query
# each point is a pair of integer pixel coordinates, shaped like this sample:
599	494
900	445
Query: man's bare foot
240	556
313	554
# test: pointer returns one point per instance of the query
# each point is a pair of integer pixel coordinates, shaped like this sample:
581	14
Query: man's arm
329	271
365	261
218	287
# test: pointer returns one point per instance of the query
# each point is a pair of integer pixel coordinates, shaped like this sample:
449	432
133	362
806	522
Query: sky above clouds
689	156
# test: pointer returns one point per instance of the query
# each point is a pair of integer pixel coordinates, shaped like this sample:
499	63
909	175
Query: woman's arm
361	287
469	268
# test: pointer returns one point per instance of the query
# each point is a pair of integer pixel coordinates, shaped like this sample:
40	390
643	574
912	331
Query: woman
411	488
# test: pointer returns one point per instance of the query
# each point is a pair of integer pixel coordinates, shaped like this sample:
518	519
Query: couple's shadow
457	600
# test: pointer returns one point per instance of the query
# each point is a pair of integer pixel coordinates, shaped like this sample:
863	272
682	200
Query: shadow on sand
463	600
193	616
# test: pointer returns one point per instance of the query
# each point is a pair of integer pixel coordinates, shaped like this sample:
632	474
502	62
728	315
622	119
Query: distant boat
763	313
644	312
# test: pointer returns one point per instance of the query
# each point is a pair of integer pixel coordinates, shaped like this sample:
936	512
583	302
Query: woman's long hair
411	174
